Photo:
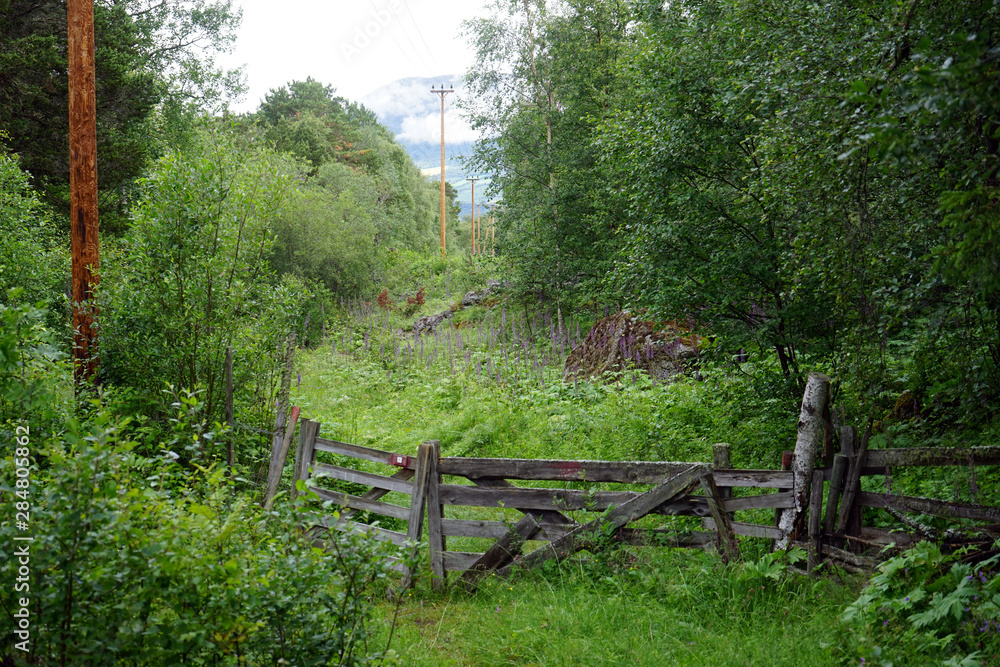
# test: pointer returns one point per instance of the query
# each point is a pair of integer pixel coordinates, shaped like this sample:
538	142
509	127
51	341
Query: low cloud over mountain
413	113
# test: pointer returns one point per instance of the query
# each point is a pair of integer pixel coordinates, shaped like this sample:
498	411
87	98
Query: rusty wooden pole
83	184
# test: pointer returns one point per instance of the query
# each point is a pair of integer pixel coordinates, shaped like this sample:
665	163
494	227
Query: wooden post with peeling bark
807	448
84	247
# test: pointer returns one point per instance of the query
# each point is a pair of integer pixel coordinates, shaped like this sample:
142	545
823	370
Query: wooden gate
603	500
608	496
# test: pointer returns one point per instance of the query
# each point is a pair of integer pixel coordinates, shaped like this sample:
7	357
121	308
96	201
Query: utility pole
82	184
442	92
491	231
473	180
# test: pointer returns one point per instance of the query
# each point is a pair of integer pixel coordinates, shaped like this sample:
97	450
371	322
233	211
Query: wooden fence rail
554	523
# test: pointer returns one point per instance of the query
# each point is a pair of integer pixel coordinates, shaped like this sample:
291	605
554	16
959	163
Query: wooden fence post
807	446
722	458
787	456
435	515
726	542
815	510
230	447
278	456
847	523
417	501
304	454
284	394
836	488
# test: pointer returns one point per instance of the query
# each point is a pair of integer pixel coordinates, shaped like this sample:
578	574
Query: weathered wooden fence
549	517
604	500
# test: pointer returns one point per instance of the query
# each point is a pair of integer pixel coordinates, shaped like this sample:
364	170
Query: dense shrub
32	256
192	277
143	562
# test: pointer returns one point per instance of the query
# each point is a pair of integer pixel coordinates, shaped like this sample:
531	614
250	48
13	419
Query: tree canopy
817	181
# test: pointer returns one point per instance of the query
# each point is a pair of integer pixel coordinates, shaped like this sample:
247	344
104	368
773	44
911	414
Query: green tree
192	276
543	78
149	55
32	259
791	171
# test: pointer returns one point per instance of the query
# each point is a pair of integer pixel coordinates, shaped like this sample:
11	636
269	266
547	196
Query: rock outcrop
431	322
622	341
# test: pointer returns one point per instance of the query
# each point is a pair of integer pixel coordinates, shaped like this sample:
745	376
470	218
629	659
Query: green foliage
33	382
804	180
554	229
325	235
364	198
31	257
181	572
930	603
192	276
148	54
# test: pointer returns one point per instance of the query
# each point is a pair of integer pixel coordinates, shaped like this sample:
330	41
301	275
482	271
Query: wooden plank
808	445
836	488
769	501
502	552
533	499
375	494
749	529
528	500
726	543
851	486
543	516
474	528
815	510
328	522
278	456
932	456
362	504
459	561
583	536
722	459
435	514
929	506
663	537
359	452
376	532
417	501
304	453
626	472
763	479
683	506
494	530
366	478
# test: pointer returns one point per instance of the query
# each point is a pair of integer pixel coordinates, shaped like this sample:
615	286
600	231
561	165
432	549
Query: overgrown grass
489	383
646	607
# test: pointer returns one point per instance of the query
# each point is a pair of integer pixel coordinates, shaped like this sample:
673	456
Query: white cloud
426	128
354	46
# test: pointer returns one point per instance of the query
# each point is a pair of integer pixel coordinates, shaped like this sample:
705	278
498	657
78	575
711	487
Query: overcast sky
357	46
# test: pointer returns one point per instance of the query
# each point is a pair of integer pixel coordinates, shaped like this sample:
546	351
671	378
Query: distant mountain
413	113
